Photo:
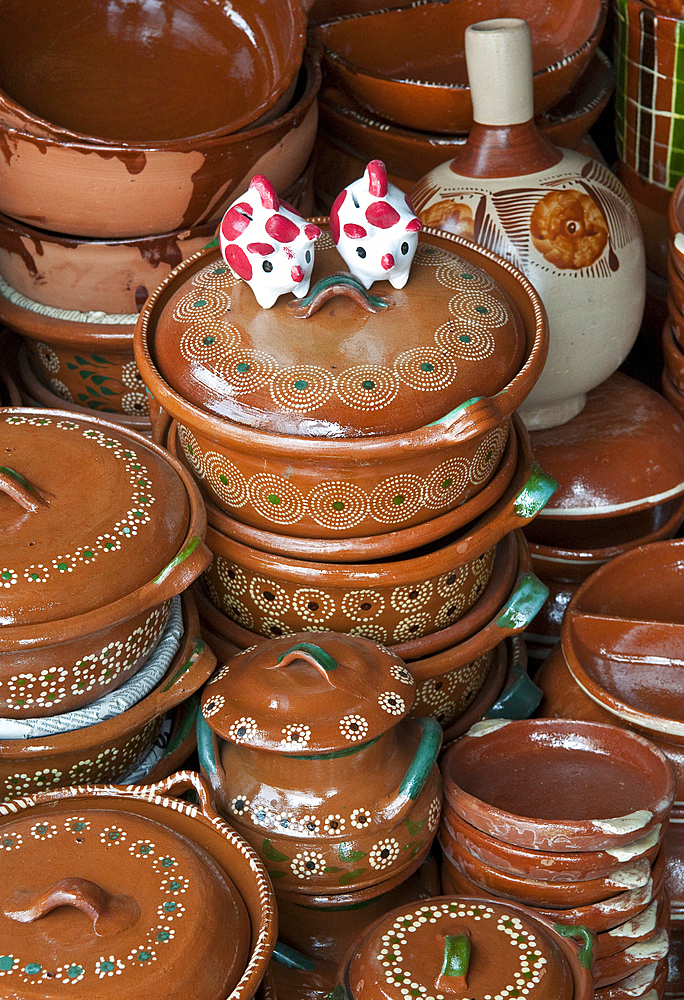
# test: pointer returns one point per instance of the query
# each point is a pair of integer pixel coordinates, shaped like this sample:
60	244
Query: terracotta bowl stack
400	529
101	532
111	176
673	330
590	857
620	466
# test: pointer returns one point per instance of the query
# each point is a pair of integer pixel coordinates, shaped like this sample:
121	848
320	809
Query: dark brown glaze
505	151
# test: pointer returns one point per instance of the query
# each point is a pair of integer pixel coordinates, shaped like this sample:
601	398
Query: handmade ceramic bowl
399	64
632	932
607	800
91	275
154	852
653	979
85	598
637	955
108	74
117	192
331	487
106	751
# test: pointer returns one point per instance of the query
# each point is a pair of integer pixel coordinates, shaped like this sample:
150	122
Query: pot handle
399	802
290	958
110	914
160	420
519	699
317	657
179	573
585	950
477	416
25	493
342	283
186	679
208	753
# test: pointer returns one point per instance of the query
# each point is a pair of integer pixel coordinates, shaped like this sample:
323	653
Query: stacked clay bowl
609	498
569	818
673	331
106	188
117	891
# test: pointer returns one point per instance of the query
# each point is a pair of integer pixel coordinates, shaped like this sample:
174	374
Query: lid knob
25	493
453	976
110	914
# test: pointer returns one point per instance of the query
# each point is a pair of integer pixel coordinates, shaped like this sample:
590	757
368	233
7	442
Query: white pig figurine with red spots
268	243
374	228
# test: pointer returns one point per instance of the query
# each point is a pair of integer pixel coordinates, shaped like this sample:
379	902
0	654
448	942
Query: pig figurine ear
374	228
267	244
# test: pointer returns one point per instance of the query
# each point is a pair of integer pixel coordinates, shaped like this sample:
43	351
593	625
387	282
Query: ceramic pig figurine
375	228
268	245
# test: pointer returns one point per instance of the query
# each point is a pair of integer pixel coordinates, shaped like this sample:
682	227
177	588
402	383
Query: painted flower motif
392	703
360	818
170	910
36	573
400	673
64	564
70	973
48	359
263	817
108	543
353	727
43	831
384	853
112	836
10	841
213	706
8	964
306	864
239	805
433	814
310	825
76	824
109	966
242	729
135	403
164	934
296	734
174	885
142	955
287	822
164	865
141	849
61	390
49	776
334	824
67	425
218	676
8	577
130	376
569	229
85	554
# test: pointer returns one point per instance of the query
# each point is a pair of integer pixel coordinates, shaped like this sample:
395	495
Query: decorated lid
461	949
88	513
109	903
309	693
343	361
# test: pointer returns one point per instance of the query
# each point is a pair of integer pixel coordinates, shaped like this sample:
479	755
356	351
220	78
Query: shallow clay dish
607	801
653	948
330	486
84	599
125	79
648	983
106	191
642	926
399	64
121	855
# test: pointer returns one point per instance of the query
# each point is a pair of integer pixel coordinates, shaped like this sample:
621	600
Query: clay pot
109	191
511	189
89	608
329	487
674	358
460	944
398	64
88	275
607	802
119	854
107	751
348	801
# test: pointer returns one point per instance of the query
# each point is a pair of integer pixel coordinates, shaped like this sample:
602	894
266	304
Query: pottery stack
571	826
111	176
397	90
673	330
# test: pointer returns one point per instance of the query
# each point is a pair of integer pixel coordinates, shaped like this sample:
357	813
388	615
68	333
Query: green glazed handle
342	283
425	756
291	958
190	708
525	602
456	955
313	654
538	489
207	751
585	952
519	700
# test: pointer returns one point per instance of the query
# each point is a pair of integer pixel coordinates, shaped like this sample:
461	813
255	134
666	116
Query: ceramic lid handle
25	493
110	914
453	976
317	657
338	284
587	939
499	61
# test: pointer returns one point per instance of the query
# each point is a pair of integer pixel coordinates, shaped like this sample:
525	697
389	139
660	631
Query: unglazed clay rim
266	933
550	834
34	636
360	450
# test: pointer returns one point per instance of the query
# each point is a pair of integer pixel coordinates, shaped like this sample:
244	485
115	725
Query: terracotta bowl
675	319
198	824
104	92
675	279
87	275
544	866
399	64
112	192
606	803
645	952
652	979
634	931
363	464
108	750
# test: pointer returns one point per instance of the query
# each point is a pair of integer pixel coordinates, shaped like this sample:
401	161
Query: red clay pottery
561	217
107	751
318	765
643	926
457	947
84	598
330	486
114	191
606	802
158	882
637	955
399	65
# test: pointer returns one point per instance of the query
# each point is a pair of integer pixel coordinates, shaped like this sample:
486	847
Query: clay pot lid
105	903
462	948
309	693
344	371
622	453
88	513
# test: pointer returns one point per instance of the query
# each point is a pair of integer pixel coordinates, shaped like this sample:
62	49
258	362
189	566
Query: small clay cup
606	804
